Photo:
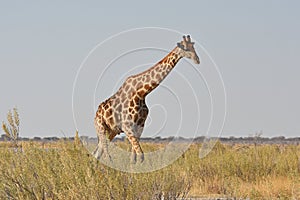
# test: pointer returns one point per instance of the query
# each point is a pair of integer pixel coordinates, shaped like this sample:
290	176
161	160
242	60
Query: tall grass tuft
12	128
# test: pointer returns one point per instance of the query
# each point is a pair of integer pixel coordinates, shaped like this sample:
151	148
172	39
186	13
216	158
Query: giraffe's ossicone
126	111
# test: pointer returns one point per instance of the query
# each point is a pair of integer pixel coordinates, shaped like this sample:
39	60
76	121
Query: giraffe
126	111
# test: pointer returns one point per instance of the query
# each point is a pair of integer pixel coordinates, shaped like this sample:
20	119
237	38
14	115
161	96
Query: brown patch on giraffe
140	122
130	91
122	96
158	76
139	85
131	103
110	120
130	137
96	121
119	108
147	87
125	104
173	62
148	79
152	73
134	140
129	79
98	114
106	106
134	82
117	101
129	117
144	113
108	113
168	60
135	117
112	136
153	82
127	88
141	93
136	99
116	116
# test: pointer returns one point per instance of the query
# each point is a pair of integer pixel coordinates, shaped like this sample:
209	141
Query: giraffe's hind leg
102	146
97	153
137	148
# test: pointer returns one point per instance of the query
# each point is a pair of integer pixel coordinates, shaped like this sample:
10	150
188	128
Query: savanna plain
65	170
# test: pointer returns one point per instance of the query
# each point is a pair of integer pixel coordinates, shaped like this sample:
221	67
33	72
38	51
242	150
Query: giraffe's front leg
136	151
133	155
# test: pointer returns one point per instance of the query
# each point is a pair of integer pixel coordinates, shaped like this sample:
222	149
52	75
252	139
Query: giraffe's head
187	49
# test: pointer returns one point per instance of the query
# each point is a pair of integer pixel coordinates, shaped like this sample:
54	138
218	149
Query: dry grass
67	171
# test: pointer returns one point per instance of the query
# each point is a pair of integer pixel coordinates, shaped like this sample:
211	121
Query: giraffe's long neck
152	77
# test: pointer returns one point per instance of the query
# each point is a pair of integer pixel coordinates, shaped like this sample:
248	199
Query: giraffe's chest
135	110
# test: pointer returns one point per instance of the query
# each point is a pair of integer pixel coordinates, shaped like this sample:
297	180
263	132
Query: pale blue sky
256	45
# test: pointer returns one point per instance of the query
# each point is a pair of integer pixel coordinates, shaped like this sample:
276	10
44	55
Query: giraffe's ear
180	45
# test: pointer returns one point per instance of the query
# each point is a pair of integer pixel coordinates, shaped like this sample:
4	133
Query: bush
12	128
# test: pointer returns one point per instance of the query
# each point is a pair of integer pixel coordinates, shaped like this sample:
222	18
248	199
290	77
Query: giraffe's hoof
107	158
141	158
97	154
133	159
110	159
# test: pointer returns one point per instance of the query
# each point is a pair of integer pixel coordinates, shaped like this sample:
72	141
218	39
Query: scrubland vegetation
65	170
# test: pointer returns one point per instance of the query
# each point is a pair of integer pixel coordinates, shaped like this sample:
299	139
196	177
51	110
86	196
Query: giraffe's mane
158	63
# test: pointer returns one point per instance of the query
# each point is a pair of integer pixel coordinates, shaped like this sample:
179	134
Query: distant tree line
228	140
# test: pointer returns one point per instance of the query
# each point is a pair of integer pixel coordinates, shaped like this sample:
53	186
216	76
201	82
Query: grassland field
65	170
